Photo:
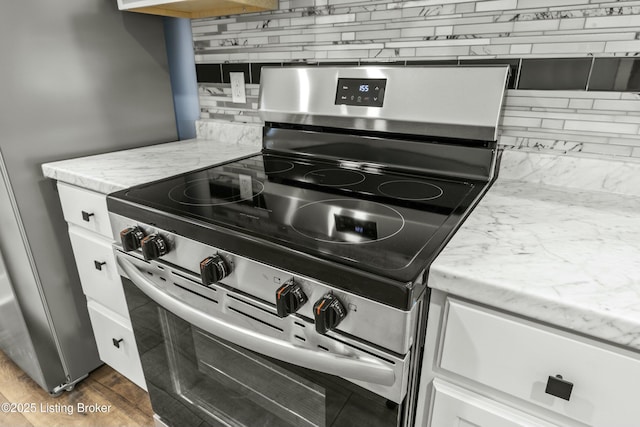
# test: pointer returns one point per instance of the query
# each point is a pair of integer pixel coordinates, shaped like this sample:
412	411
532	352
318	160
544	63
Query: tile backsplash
575	63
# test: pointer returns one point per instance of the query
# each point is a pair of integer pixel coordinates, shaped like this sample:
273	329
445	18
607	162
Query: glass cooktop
385	222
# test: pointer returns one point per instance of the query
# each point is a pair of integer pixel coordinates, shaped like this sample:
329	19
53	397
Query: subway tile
484	6
520	49
442	51
616	105
345	47
488	28
363	16
429	12
295	4
636	152
623	46
564	94
348	36
581	104
530	4
554	74
436	43
238	26
552	124
489	50
343	54
566	38
631	141
335	19
521	121
465	7
376	35
604	127
617	21
327	37
536	25
302	21
298	38
386	14
569	48
572	24
615	74
384	54
444	30
417	32
537	101
606	149
208	73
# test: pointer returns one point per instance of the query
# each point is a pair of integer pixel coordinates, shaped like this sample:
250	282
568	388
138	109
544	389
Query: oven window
195	378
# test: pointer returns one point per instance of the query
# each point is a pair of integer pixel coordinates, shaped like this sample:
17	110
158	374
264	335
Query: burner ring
281	166
257	189
401	186
350	177
355	207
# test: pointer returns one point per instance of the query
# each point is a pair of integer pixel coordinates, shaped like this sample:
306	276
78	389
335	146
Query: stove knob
289	298
154	246
131	238
328	313
213	269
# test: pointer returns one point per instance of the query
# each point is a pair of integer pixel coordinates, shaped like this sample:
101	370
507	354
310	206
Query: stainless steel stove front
213	355
367	320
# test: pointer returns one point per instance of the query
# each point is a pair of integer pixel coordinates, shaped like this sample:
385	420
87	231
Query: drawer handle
558	387
99	265
116	343
86	216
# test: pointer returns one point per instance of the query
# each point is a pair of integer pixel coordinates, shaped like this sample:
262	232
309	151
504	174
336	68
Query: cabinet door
454	406
97	269
116	343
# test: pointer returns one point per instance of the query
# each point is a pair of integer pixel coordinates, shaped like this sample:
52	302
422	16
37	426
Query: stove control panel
289	298
361	92
131	238
213	269
328	312
154	246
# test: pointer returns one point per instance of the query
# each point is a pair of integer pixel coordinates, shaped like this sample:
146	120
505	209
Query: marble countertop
553	246
106	173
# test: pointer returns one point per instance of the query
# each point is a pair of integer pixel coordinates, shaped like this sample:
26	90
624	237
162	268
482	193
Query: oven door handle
356	368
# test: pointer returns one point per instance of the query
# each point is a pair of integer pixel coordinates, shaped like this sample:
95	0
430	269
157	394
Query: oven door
212	356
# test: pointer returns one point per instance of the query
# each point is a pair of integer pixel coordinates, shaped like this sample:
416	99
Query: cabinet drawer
85	208
116	343
455	406
97	269
518	357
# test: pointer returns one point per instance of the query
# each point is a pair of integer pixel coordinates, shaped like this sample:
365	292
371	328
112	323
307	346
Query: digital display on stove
347	224
361	92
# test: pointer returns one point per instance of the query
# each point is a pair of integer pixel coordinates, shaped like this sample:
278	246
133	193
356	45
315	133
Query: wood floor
130	404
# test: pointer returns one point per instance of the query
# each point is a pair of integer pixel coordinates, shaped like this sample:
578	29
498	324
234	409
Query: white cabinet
91	239
116	343
514	362
456	406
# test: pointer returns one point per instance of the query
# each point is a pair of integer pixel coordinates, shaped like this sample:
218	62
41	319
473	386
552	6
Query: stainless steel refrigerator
77	78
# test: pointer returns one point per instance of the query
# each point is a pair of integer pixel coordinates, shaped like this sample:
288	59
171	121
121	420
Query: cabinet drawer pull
99	265
116	343
558	387
86	216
